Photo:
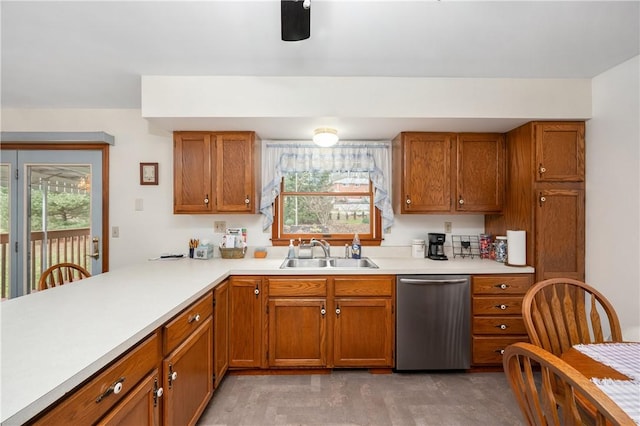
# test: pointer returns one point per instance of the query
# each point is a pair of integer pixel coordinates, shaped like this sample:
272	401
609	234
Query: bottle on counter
356	247
292	250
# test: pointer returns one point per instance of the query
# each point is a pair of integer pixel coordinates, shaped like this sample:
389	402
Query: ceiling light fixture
325	137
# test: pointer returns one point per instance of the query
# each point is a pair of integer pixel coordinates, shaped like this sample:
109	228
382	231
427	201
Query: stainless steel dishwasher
433	322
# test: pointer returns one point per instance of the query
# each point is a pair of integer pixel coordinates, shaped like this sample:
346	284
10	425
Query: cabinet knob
193	318
502	286
542	199
206	199
502	326
172	376
159	392
541	169
500	351
115	389
461	200
502	307
247	200
338	310
256	291
323	311
408	200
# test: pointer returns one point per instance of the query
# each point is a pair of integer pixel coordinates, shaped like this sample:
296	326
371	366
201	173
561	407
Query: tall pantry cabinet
545	188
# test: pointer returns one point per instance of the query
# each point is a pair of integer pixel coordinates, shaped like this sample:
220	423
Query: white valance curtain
279	158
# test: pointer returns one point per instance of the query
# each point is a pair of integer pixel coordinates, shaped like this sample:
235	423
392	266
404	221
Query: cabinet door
427	172
220	331
235	173
193	172
559	217
141	407
560	151
188	377
297	332
479	172
245	322
363	332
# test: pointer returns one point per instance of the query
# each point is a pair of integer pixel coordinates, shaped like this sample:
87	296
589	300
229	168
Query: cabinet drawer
95	398
185	323
300	286
498	325
364	286
489	350
501	284
506	305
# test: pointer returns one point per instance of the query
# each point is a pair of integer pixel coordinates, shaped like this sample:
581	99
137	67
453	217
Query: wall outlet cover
219	226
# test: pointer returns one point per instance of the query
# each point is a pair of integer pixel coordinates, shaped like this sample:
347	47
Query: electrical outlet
219	226
115	232
447	227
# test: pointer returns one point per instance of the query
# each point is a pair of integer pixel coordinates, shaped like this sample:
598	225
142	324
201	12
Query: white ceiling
89	54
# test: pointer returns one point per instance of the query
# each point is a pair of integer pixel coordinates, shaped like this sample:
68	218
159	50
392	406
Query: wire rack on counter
465	246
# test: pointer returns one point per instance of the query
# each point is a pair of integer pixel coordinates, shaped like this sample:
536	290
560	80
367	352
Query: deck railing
69	245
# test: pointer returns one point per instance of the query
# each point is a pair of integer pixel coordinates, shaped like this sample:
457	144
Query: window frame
279	238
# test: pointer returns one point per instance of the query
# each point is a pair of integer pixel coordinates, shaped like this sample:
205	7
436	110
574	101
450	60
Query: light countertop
54	340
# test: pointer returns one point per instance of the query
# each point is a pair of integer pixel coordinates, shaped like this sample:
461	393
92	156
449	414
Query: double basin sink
331	262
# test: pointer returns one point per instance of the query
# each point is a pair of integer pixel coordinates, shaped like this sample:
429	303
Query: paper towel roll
517	248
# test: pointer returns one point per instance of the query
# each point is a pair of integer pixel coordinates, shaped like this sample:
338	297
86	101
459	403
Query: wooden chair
558	314
60	274
538	402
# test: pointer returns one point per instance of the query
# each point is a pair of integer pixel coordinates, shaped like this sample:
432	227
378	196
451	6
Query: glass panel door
57	208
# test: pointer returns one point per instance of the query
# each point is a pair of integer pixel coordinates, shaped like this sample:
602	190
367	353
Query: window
328	193
328	205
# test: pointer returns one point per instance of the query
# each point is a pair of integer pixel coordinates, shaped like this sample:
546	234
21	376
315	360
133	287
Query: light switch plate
219	226
447	227
139	204
115	232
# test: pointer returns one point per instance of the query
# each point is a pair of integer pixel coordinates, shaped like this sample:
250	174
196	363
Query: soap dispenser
292	250
355	247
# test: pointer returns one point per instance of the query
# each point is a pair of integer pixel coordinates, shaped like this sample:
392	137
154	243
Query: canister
501	249
417	248
485	246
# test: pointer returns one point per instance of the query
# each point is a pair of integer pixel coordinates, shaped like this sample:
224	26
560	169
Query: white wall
156	230
613	192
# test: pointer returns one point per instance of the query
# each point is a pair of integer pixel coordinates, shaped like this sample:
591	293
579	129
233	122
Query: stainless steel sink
332	262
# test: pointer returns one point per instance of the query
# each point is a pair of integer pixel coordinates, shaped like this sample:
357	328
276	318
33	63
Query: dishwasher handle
426	281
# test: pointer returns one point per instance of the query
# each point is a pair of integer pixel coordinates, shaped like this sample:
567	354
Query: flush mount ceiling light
325	137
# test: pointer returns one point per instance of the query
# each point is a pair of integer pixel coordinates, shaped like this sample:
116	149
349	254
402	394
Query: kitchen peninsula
54	341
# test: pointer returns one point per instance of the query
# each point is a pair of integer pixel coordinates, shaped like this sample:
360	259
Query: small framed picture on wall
148	173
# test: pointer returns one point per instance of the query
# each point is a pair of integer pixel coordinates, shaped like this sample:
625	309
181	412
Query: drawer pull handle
115	389
502	326
502	307
157	392
502	286
193	318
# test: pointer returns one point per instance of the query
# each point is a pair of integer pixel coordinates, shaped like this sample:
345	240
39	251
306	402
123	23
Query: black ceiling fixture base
295	20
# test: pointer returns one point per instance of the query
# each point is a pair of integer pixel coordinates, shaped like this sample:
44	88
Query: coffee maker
436	247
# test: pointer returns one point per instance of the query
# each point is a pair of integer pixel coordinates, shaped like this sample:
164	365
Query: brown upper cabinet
545	196
215	172
559	152
448	172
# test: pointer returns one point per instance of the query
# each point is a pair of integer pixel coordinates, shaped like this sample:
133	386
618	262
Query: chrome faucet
326	247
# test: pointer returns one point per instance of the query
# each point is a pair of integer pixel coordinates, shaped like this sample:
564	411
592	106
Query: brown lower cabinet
188	377
220	332
343	321
497	316
140	407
